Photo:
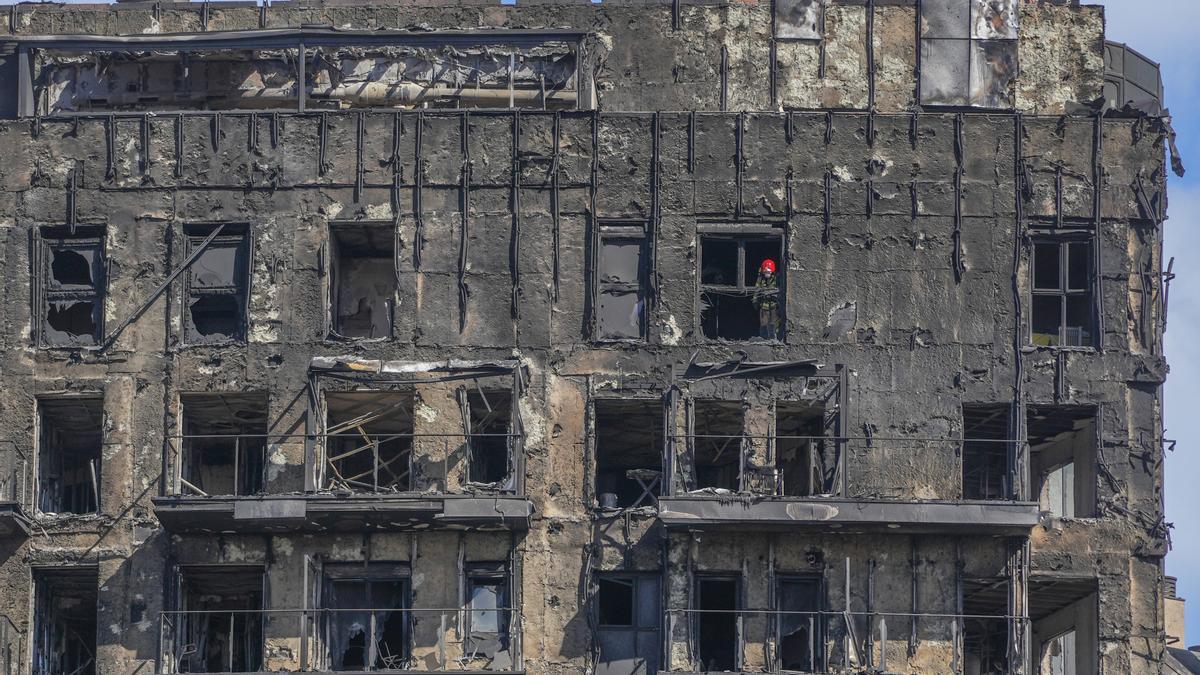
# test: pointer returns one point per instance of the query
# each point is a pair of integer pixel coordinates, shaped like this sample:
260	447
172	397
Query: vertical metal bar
237	458
375	465
179	145
724	78
418	179
514	242
26	102
464	222
1098	238
554	207
301	77
232	618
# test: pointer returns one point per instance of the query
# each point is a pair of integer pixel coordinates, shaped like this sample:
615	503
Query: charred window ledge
853	515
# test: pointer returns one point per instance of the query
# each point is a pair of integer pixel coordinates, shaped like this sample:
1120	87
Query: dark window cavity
985	451
368	623
1062	309
1063	614
985	626
216	285
64	621
362	279
799	19
738	301
717	624
1062	459
627	624
69	454
629	446
622	276
489	439
801	632
803	454
717	444
369	443
71	288
224	444
488	605
220	625
968	53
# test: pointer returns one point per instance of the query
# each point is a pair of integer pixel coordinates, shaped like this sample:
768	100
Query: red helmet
768	265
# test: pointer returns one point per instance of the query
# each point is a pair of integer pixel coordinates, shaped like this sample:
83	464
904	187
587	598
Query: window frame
48	240
819	631
368	574
331	268
1063	240
640	626
621	230
742	234
975	45
241	235
473	574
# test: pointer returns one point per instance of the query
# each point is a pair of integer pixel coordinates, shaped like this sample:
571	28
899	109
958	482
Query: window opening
368	626
985	628
488	602
490	441
717	444
72	288
1062	293
985	449
363	279
969	53
622	277
64	621
217	283
627	631
369	447
1063	616
220	628
628	452
717	623
801	452
1062	449
741	286
224	444
1059	655
69	454
801	634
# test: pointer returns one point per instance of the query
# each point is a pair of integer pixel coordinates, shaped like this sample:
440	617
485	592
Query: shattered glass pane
945	68
798	19
620	314
219	266
620	261
485	598
72	322
993	70
73	267
994	19
215	317
616	601
945	19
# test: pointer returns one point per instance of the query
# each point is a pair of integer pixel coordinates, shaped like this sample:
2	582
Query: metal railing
862	467
356	462
821	641
309	640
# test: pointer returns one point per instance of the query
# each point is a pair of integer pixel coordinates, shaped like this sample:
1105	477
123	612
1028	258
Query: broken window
64	621
801	634
628	452
717	444
622	277
968	52
219	628
985	450
489	436
802	454
985	626
367	620
369	442
362	290
1062	459
488	606
224	443
741	286
799	19
69	454
71	287
216	285
717	623
1063	616
1063	310
627	608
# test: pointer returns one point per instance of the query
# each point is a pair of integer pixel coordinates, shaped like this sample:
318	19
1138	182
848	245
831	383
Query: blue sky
1165	31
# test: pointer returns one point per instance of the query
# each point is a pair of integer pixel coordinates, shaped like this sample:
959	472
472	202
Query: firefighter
766	299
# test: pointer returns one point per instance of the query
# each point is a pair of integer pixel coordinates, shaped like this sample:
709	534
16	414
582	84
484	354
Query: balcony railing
340	640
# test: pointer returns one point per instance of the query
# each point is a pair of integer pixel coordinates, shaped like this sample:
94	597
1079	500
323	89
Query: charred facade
432	337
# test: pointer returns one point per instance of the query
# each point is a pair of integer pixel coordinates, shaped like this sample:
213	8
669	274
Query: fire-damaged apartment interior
613	338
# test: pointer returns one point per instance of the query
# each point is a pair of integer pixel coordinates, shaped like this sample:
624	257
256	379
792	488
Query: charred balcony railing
821	641
334	640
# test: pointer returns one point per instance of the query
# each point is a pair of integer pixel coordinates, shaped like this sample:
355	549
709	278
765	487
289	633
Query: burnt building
434	336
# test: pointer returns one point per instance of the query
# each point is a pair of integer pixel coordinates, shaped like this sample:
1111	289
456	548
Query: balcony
15	492
848	484
329	640
353	482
